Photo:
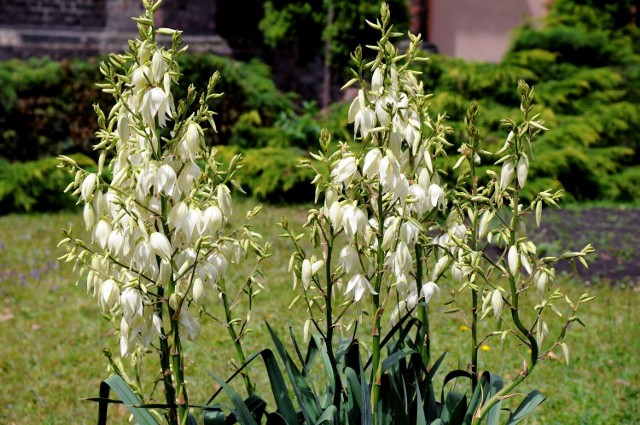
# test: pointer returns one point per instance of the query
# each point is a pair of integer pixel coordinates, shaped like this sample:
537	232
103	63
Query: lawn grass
53	336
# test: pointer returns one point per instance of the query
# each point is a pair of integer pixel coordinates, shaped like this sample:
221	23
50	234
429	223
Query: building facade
479	30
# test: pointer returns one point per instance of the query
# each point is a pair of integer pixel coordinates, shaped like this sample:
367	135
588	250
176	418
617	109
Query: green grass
53	336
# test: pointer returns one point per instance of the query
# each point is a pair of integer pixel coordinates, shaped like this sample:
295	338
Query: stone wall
81	28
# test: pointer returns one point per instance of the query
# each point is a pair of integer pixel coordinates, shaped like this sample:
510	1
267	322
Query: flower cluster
160	227
383	193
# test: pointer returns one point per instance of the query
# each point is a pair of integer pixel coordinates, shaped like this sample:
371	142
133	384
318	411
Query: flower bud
483	227
158	67
224	200
523	170
198	291
497	303
89	217
540	279
88	186
305	273
441	264
506	175
335	215
512	259
213	218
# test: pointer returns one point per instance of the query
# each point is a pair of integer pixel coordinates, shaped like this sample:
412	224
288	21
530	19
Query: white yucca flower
361	115
506	175
523	170
497	303
358	284
372	163
349	259
428	290
512	260
540	279
345	171
354	221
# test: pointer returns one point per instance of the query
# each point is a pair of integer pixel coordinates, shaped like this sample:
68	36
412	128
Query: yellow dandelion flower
485	348
464	328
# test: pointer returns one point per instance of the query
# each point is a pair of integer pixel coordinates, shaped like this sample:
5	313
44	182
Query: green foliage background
584	63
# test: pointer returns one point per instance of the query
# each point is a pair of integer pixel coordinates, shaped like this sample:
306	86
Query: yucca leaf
241	411
533	400
306	397
128	397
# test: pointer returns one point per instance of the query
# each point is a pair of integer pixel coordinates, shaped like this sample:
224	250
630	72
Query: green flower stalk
161	239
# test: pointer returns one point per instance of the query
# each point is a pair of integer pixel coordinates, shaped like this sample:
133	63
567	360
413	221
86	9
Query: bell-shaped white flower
160	245
435	196
189	174
166	180
358	284
349	259
188	145
188	325
361	115
385	108
213	219
131	302
345	171
156	104
354	221
192	224
109	295
372	163
101	233
428	290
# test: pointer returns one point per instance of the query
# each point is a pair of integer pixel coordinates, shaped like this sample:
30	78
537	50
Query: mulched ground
614	232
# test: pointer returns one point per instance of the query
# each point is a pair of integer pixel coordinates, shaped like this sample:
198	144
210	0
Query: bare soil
613	231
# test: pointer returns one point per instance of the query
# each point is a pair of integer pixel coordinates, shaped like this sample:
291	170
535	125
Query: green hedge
37	185
46	106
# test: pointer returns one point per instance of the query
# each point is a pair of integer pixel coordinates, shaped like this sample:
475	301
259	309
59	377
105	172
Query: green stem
165	364
177	363
236	342
423	312
337	394
515	314
474	292
376	367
